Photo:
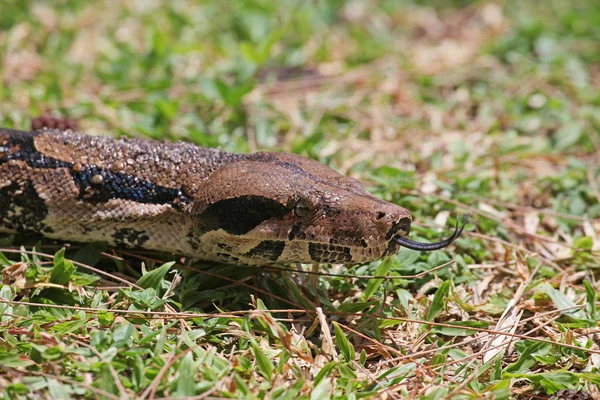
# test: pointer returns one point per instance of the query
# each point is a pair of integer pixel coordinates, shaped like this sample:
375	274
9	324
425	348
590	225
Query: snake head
285	208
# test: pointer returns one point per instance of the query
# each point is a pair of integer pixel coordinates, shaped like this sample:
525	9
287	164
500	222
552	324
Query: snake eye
301	209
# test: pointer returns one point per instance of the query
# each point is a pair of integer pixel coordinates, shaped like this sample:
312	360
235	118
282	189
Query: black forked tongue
411	244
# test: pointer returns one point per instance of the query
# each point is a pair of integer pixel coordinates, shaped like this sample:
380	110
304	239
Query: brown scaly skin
205	203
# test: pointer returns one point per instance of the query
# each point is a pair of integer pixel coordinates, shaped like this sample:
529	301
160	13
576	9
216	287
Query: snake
203	203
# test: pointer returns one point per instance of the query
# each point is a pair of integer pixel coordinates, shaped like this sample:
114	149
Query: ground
440	107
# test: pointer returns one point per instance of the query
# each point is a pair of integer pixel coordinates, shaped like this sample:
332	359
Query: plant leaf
437	304
153	279
563	302
63	269
342	341
590	295
461	328
382	270
265	366
186	384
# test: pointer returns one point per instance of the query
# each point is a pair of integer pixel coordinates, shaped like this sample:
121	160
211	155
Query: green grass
436	106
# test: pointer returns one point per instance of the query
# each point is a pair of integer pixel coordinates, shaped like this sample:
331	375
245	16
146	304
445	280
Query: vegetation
438	106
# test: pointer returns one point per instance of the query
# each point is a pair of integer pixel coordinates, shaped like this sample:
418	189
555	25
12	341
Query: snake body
204	203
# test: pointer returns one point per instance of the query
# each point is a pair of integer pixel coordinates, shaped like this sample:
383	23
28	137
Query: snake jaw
411	244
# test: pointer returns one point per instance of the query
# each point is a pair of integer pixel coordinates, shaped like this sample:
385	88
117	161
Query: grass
436	106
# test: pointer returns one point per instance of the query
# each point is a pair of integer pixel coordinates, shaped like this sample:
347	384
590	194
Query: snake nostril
380	215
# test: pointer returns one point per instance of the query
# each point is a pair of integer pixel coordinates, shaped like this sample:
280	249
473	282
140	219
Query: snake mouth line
411	244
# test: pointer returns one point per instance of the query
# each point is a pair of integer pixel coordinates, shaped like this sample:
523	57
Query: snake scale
208	204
